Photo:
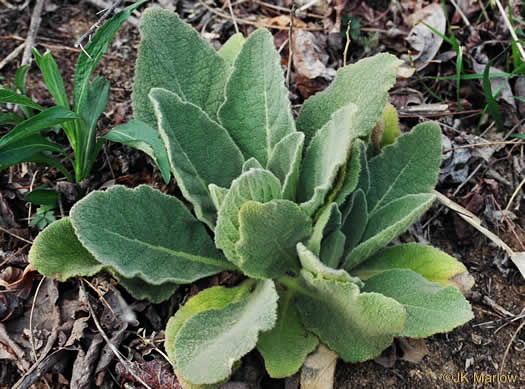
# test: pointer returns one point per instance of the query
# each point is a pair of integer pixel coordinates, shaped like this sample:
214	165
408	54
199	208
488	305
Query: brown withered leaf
156	374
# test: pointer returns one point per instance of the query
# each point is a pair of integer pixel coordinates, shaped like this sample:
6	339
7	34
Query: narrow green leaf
349	175
328	221
217	338
255	184
181	62
364	83
387	224
409	166
10	118
57	253
325	156
355	220
141	136
492	104
25	149
431	263
332	249
52	77
8	96
257	112
194	142
20	78
357	326
285	162
268	235
42	197
231	48
93	52
285	347
217	195
135	242
45	119
430	307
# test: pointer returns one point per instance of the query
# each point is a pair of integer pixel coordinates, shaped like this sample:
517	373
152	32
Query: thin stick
515	194
460	12
306	6
483	145
347	45
102	4
15	235
30	203
111	345
12	56
98	23
5	261
290	46
31	319
233	17
33	29
511	30
508	348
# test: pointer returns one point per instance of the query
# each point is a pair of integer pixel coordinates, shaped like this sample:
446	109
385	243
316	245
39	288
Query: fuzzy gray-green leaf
355	220
216	338
126	230
268	235
173	56
285	347
431	308
325	156
387	224
409	166
285	162
329	220
255	184
231	48
257	111
364	83
194	143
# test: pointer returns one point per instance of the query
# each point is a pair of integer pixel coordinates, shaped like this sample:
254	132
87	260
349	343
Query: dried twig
103	334
12	56
515	194
508	348
98	23
290	46
36	17
233	17
31	336
511	29
15	235
347	44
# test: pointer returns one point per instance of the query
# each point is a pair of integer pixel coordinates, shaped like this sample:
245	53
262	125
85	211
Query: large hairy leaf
173	56
194	143
431	263
285	347
255	184
231	48
135	242
386	224
430	307
141	136
216	338
285	162
268	235
326	155
357	326
409	166
364	83
257	111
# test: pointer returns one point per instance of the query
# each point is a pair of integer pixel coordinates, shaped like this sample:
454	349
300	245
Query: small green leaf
268	235
251	163
285	162
52	77
134	240
324	157
332	249
431	263
45	119
349	175
217	338
8	96
364	83
409	166
142	137
142	290
231	48
57	253
217	195
42	197
430	307
173	56
257	112
387	224
355	219
285	347
255	184
20	78
194	143
10	118
93	52
328	221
